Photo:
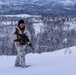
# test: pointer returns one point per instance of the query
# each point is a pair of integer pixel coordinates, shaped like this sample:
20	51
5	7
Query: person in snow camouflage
20	43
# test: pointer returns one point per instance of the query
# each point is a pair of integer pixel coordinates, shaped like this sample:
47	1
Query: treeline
57	33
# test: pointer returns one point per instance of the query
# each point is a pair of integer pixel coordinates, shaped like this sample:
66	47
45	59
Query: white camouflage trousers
20	59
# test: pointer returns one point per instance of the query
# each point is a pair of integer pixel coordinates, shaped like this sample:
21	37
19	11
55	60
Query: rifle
25	39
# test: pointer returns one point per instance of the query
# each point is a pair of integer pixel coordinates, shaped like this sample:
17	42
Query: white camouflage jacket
13	35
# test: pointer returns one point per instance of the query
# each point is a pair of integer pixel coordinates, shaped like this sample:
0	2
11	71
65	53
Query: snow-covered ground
50	63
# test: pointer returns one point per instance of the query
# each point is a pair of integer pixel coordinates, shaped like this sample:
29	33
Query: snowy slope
19	15
38	7
52	63
65	2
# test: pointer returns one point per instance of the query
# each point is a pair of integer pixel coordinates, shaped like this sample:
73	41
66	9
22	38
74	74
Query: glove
30	44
